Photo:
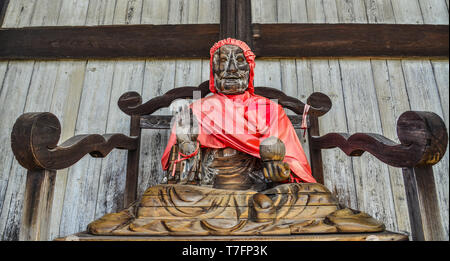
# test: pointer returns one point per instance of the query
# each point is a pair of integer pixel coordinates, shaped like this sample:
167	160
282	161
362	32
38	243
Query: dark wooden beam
106	42
236	20
195	40
350	40
244	30
3	7
227	19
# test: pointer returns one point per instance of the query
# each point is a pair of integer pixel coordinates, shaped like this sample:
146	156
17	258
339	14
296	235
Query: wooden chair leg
423	205
37	205
133	164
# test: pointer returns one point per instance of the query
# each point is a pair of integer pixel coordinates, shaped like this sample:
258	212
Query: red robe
241	122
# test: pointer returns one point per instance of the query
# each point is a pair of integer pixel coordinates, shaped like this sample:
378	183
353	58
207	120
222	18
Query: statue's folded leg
194	210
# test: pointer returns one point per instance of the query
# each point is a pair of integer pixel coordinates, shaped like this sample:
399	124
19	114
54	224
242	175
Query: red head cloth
249	56
242	121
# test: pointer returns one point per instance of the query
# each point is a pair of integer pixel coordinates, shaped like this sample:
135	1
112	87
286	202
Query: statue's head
231	70
232	64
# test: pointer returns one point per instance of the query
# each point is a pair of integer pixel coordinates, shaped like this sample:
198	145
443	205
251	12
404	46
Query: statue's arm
187	150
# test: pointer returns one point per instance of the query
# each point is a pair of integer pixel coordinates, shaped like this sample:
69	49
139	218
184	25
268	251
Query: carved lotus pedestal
304	211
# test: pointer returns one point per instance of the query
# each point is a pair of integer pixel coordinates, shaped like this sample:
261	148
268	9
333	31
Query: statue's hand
277	171
186	128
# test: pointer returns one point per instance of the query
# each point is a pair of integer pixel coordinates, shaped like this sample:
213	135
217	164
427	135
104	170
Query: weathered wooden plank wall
368	95
84	94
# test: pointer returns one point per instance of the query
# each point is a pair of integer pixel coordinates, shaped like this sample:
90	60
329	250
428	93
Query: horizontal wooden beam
195	40
350	40
106	42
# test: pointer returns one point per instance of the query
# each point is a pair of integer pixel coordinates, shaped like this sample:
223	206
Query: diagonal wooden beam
195	40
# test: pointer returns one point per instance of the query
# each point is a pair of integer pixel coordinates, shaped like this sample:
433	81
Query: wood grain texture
35	98
38	202
27	10
326	75
131	41
423	137
141	41
130	102
13	97
3	7
35	136
371	178
425	212
421	87
350	40
383	236
66	101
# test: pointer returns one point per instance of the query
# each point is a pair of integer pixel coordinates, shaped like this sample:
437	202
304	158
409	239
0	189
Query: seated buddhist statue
234	166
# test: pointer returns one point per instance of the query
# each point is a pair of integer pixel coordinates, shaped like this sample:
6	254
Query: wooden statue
223	183
222	189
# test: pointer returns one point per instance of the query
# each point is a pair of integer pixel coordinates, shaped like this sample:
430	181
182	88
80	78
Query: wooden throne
423	141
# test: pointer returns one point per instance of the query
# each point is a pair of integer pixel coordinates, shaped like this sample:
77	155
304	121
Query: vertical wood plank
128	12
379	11
422	91
393	101
227	19
155	12
434	11
3	7
304	90
65	103
326	75
425	212
284	11
18	14
46	12
424	96
409	179
38	98
12	97
38	201
298	11
117	185
101	12
269	11
128	76
441	74
66	100
209	11
371	176
73	12
407	12
244	30
158	78
83	179
256	11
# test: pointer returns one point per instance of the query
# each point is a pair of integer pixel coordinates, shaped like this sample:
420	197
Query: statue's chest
230	169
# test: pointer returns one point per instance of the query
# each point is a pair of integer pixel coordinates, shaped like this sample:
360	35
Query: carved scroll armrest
35	136
423	141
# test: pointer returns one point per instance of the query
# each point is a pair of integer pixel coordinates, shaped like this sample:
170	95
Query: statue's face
231	70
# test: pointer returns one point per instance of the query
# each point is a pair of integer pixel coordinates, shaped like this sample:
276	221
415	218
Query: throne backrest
131	104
